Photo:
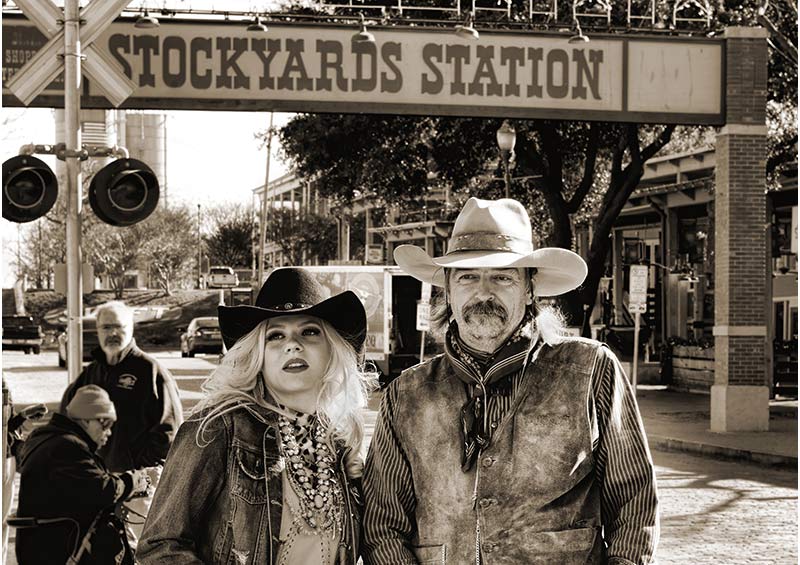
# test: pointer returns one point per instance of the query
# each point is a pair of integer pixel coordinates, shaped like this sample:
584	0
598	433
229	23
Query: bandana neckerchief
485	376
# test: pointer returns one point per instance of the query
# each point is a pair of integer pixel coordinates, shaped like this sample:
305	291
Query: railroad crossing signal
44	67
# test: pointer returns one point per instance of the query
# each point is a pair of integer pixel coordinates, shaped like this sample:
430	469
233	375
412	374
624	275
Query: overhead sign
317	68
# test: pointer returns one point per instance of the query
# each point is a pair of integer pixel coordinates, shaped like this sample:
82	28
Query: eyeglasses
105	423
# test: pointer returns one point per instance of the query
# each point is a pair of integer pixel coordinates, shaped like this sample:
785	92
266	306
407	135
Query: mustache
486	308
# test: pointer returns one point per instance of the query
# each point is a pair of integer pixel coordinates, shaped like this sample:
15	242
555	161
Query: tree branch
587	181
553	171
657	144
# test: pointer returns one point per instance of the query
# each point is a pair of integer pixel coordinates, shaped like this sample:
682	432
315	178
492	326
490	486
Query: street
713	511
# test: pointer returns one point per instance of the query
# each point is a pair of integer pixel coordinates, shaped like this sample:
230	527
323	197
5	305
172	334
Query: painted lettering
432	52
147	45
535	56
458	55
272	47
593	78
119	44
197	46
294	64
330	58
174	46
228	63
557	57
485	71
512	57
365	50
391	51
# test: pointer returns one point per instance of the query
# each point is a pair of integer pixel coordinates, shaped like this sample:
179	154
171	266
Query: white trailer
390	298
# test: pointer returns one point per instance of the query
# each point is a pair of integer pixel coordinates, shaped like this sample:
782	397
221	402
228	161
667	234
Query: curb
661	443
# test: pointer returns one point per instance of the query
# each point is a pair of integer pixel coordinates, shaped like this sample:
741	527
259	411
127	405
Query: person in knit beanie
64	476
92	410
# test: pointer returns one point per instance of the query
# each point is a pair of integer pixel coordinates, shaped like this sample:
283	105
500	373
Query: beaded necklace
311	472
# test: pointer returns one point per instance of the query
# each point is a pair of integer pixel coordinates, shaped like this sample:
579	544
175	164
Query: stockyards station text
402	68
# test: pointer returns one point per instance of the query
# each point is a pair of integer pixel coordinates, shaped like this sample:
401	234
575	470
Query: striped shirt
629	504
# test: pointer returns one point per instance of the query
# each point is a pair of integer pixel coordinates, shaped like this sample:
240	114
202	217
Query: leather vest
532	496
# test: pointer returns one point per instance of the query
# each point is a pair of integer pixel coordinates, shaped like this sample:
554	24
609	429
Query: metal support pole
199	252
72	131
635	370
507	172
262	231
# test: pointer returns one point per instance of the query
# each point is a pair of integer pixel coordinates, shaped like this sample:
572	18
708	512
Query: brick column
740	394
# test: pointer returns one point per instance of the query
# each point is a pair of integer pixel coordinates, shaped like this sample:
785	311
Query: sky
201	167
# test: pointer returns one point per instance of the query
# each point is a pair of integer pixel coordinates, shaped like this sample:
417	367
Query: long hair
237	383
547	317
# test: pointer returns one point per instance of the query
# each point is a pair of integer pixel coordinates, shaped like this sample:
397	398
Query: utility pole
262	231
199	252
72	132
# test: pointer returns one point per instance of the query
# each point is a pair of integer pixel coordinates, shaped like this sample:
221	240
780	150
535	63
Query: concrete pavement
712	511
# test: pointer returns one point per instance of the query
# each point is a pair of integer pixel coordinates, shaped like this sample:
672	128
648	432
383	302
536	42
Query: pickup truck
21	332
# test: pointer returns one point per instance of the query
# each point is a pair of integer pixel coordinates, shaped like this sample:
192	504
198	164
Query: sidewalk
674	421
677	421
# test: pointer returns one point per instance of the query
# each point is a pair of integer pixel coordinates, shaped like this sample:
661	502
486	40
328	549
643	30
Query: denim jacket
222	503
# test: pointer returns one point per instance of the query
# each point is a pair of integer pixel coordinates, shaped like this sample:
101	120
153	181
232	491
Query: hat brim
344	311
558	271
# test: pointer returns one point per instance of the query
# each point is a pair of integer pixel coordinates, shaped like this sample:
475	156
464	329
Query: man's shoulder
430	370
574	350
142	359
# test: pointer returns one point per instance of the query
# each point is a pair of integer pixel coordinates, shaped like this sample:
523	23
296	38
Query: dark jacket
62	476
147	403
221	503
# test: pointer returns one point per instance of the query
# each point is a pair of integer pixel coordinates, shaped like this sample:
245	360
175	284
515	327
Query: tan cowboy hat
496	234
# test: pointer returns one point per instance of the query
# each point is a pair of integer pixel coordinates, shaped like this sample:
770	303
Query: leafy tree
170	246
232	235
566	171
113	251
302	237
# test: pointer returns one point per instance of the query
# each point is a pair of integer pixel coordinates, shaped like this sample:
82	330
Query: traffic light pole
262	231
72	132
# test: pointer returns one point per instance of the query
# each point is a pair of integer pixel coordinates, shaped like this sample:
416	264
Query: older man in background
145	397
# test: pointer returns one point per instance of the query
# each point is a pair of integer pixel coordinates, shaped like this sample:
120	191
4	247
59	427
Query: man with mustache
518	444
145	397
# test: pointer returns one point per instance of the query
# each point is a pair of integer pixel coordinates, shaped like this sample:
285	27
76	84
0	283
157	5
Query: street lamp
506	139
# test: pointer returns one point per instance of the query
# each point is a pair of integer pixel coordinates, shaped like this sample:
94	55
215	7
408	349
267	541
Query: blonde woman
267	469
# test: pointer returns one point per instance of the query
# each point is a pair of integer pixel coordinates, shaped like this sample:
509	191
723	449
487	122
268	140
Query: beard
485	320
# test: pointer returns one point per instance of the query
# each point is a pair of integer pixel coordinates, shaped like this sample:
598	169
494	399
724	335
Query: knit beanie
91	402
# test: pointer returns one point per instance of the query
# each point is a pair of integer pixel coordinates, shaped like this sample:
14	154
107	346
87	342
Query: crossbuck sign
45	66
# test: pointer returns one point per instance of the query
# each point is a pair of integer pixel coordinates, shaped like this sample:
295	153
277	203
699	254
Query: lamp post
506	139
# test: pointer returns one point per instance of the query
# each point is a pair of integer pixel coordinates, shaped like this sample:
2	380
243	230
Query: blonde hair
237	383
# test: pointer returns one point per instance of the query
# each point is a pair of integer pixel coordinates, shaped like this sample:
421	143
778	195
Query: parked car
90	341
202	336
21	332
222	277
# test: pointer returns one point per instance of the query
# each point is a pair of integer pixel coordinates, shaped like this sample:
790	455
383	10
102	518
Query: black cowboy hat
294	291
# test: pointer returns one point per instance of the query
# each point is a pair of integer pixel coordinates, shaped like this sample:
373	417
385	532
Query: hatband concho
289	306
489	241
